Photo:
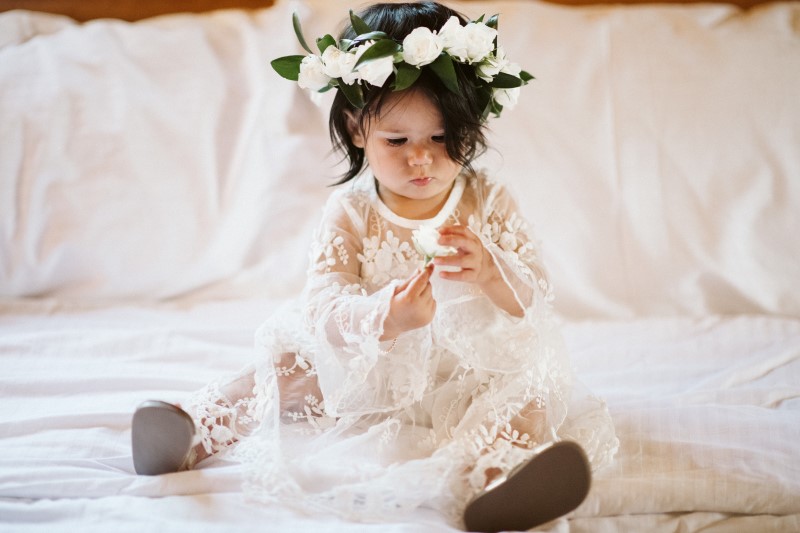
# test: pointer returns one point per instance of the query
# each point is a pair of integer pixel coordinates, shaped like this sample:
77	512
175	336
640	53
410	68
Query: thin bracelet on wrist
394	342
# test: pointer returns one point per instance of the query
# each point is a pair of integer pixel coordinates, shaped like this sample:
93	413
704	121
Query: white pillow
156	159
655	153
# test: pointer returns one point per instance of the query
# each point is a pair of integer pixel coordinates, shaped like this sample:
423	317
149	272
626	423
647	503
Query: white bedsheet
707	412
159	182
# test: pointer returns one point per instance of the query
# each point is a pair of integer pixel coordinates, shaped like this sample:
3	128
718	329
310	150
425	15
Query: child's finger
449	261
461	240
460	230
455	229
403	286
420	281
460	275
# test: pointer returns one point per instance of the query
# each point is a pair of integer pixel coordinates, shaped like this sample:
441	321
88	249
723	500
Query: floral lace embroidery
330	246
505	397
218	421
507	233
385	259
300	397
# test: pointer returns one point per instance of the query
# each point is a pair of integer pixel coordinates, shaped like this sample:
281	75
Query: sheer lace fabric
368	429
224	413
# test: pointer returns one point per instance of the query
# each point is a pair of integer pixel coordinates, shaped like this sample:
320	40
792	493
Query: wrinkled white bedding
706	411
158	185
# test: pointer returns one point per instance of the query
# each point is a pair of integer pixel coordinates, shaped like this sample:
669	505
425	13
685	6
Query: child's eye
396	142
438	139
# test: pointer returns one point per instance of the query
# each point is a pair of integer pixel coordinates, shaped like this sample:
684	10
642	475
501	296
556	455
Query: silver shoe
162	439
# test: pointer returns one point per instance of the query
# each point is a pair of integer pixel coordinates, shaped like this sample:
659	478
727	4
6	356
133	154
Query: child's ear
354	129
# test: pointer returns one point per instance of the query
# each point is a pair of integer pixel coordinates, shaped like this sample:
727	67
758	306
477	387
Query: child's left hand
476	264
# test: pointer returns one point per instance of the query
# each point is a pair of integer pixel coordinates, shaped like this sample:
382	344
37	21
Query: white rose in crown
511	68
506	97
471	46
339	64
470	43
492	65
421	47
454	39
426	241
480	41
374	72
312	75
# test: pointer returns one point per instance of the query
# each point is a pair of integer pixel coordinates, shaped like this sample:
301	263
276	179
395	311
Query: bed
159	183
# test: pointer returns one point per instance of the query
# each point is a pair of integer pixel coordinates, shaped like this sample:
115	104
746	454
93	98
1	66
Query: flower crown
372	57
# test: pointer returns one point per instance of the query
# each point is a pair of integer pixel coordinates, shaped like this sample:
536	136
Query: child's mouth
421	182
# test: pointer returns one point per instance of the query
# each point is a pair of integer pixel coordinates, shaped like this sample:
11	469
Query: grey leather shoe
162	438
552	483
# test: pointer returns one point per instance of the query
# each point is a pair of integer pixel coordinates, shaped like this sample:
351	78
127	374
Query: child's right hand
412	305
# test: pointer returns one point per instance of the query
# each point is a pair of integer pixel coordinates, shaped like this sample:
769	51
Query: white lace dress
340	421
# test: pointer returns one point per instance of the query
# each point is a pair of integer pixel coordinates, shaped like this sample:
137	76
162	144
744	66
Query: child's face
405	150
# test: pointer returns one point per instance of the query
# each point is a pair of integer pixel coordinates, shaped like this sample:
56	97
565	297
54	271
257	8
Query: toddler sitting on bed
422	364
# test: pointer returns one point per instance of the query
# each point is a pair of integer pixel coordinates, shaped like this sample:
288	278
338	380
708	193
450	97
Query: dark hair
462	114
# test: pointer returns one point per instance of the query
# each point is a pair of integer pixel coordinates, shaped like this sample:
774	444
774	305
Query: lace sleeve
506	235
345	320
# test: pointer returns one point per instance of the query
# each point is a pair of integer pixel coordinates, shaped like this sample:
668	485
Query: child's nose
419	156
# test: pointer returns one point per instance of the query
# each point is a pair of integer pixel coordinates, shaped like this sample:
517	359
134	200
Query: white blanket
706	411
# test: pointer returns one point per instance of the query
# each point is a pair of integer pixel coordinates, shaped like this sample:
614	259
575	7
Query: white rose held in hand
426	241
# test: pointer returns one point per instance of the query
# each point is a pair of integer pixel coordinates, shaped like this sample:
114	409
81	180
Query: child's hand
476	264
412	305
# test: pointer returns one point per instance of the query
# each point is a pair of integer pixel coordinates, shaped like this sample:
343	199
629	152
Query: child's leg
167	438
223	413
527	430
298	388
